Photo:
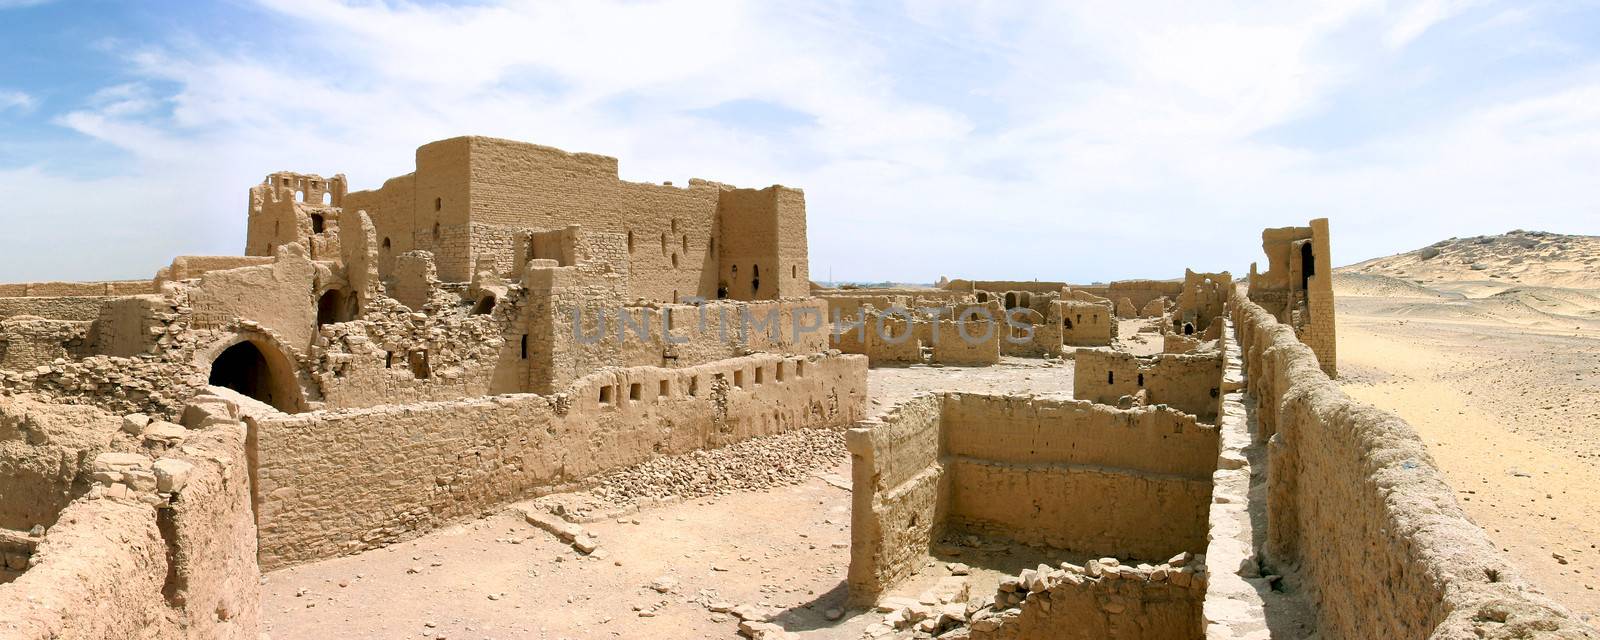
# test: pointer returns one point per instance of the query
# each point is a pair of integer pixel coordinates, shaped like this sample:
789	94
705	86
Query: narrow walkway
1240	602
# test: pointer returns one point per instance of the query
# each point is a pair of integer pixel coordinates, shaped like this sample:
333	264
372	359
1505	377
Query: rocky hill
1517	258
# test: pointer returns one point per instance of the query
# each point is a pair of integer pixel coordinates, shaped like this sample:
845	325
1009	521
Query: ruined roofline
597	162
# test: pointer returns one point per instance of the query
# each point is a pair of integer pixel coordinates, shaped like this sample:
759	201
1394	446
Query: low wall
1361	521
337	482
80	308
1098	602
76	289
1067	474
162	549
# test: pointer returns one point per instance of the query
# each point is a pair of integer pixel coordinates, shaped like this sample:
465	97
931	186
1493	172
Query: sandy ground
786	549
1507	403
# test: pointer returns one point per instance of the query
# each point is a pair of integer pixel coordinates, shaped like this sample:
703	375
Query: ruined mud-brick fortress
510	320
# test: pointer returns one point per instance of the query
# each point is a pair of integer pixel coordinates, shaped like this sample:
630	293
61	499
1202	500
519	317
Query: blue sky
966	138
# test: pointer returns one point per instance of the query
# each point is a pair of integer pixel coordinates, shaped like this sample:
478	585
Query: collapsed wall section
338	482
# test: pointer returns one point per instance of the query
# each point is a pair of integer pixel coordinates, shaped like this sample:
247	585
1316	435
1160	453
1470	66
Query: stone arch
258	366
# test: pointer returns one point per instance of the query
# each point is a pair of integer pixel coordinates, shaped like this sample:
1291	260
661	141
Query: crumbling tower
1298	286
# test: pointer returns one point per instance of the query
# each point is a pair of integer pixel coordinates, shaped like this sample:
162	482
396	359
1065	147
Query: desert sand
1491	349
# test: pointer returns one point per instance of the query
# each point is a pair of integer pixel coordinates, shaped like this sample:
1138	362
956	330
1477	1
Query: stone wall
1102	600
337	482
156	549
1067	474
1361	520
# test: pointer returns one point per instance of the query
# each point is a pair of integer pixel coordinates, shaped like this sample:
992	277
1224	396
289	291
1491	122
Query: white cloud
967	139
15	100
1419	18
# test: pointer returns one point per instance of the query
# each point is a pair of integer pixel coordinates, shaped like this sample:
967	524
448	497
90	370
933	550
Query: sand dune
1375	285
1517	258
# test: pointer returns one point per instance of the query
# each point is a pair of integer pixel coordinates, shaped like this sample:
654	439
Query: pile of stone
940	609
759	463
1185	570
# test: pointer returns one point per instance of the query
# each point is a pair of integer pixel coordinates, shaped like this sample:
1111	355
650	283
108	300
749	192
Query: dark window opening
694	386
760	374
333	307
388	359
605	394
634	391
722	291
755	279
438	203
738	378
524	346
484	306
1111	377
1141	379
666	389
794	271
1066	323
316	223
1308	265
777	372
674	260
630	241
1188	328
418	359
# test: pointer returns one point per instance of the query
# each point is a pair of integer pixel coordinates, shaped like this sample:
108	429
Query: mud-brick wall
1188	382
1065	473
1361	521
172	561
1079	476
338	482
898	496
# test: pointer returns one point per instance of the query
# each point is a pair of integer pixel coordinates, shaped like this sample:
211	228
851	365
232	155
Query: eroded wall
324	493
1361	520
1067	474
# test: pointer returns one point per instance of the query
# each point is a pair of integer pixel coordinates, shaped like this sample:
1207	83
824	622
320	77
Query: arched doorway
244	368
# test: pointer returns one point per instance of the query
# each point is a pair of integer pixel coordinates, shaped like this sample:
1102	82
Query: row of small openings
761	373
636	390
416	359
1111	378
1067	322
